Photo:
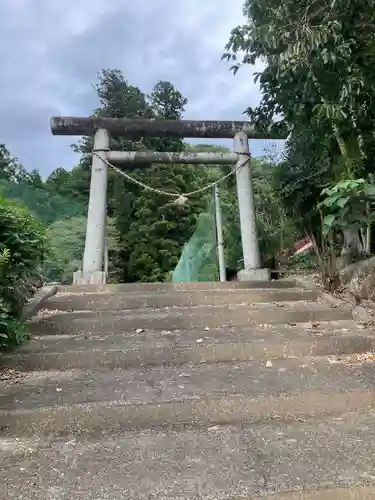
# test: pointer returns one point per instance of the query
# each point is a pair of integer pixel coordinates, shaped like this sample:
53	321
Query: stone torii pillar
249	235
93	258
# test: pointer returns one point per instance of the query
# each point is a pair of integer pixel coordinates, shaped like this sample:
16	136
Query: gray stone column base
95	278
254	275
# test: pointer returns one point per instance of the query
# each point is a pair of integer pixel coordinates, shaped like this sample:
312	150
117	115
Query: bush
22	249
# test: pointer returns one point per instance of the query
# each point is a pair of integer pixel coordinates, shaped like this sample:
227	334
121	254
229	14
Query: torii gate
103	128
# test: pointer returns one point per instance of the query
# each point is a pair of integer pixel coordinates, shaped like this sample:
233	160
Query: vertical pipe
249	235
368	234
97	212
369	225
106	262
220	235
189	269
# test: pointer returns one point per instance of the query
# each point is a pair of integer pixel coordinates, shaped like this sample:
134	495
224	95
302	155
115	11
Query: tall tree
167	102
10	168
34	179
159	227
58	180
118	99
319	79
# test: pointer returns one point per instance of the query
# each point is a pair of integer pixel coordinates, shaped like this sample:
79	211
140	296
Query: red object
303	245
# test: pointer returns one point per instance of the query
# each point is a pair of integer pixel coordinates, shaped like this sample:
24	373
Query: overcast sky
52	50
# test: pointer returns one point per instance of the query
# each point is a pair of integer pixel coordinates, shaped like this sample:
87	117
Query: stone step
340	493
179	318
169	287
186	298
205	394
153	348
273	461
166	383
114	416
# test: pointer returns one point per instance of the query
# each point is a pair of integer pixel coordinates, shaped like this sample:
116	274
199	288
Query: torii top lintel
140	127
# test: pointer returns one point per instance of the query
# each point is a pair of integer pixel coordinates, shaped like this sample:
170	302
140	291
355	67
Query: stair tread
160	287
167	383
222	462
192	412
184	338
154	348
182	298
183	318
304	305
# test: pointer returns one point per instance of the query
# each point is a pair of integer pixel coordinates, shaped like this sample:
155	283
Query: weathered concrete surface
344	493
155	348
170	287
121	301
192	402
194	412
142	127
256	274
176	383
360	269
184	319
144	158
359	280
220	463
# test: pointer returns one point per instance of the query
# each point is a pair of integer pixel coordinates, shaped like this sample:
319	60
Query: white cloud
50	53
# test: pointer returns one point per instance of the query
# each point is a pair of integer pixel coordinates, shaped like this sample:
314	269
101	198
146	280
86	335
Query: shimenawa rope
182	198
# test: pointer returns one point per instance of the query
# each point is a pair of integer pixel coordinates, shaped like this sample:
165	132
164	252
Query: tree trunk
352	247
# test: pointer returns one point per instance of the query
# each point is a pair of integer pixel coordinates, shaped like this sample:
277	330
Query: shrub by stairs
207	391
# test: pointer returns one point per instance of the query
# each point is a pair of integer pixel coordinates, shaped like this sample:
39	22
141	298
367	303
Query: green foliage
276	229
319	80
12	330
303	262
302	175
22	249
46	206
346	205
70	186
66	239
66	243
10	169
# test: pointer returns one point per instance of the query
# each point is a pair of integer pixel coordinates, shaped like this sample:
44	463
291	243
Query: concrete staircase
212	391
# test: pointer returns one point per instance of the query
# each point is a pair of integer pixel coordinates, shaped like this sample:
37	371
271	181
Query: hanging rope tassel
181	200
